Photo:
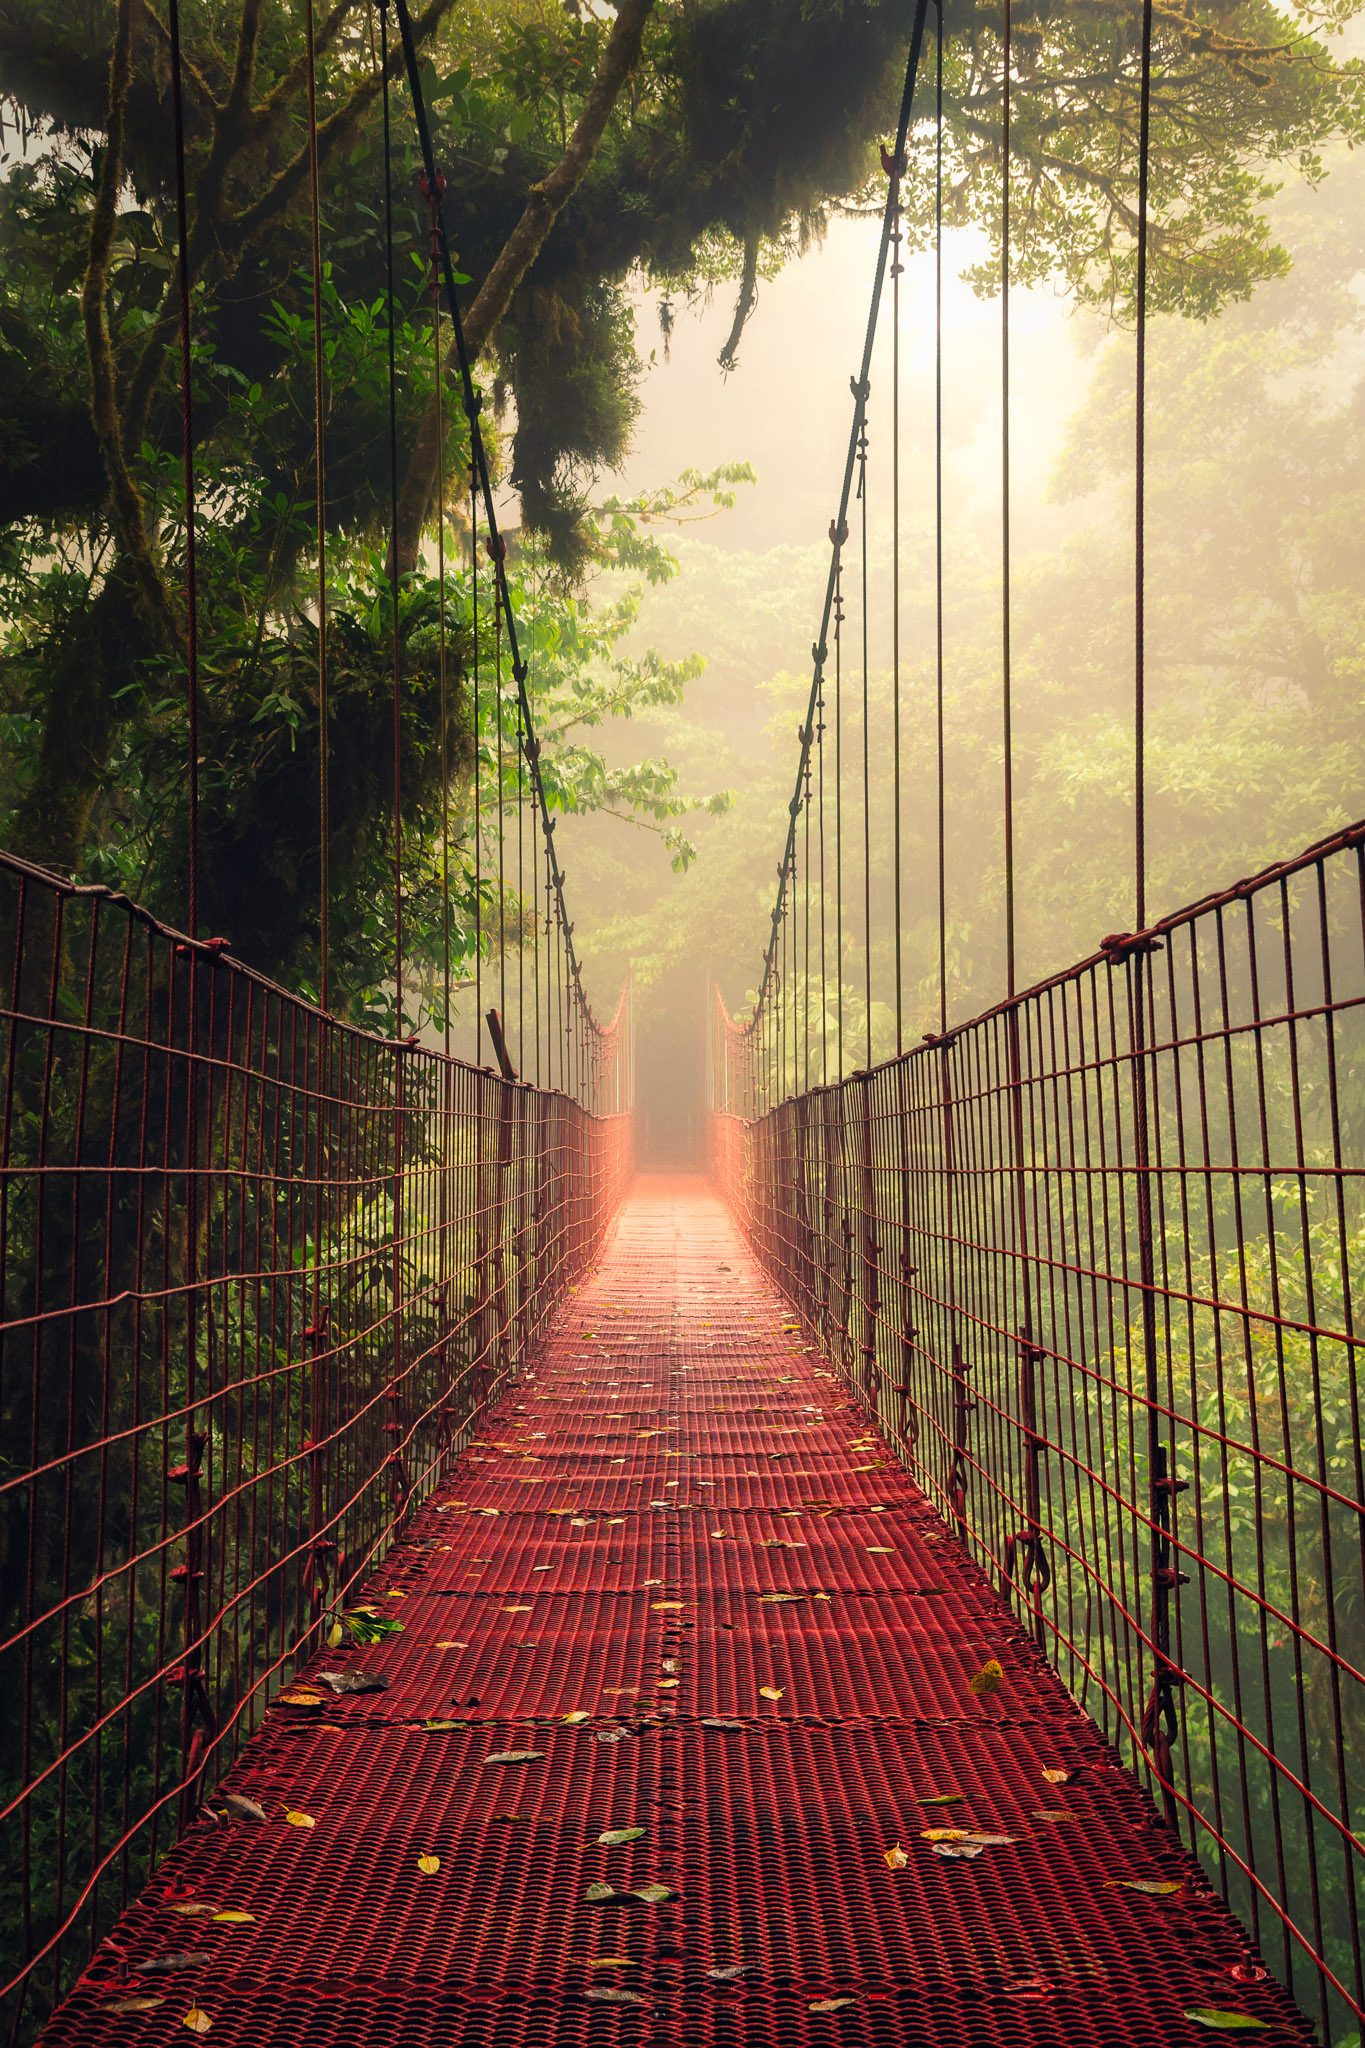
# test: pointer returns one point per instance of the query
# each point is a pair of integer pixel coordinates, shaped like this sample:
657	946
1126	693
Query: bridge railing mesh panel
261	1273
1094	1261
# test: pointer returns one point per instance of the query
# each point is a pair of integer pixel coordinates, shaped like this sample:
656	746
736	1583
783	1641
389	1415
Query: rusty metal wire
224	1379
1092	1260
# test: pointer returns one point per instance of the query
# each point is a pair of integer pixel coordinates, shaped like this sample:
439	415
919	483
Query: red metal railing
1092	1260
261	1272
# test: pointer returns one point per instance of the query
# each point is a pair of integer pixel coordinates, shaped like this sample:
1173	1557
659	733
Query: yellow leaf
233	1918
611	1963
1152	1886
666	1606
772	1692
516	1610
450	1646
299	1820
394	1595
298	1699
946	1834
198	2022
987	1680
666	1684
578	1714
428	1865
1057	1777
336	1636
895	1859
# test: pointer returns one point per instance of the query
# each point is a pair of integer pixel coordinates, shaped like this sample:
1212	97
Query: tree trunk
544	204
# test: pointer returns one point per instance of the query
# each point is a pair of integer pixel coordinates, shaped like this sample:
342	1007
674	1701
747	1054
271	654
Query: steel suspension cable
484	490
897	167
320	500
867	758
187	472
1140	491
1005	650
394	580
860	387
938	523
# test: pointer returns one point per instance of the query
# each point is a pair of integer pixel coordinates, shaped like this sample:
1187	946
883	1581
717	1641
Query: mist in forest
1255	631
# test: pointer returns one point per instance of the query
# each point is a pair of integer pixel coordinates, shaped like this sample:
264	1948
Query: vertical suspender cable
320	498
187	456
820	791
938	525
1140	492
897	165
393	530
838	537
867	767
1006	692
439	373
502	818
478	768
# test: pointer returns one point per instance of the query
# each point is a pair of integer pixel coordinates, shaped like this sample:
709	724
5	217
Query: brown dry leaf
987	1680
779	1599
1155	1888
242	1808
830	2004
1053	1813
772	1692
122	2005
1057	1777
196	2020
896	1858
428	1865
299	1820
611	1994
188	1911
957	1849
298	1699
515	1756
611	1963
947	1835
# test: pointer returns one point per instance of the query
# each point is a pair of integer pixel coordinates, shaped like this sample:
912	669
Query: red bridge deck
681	1527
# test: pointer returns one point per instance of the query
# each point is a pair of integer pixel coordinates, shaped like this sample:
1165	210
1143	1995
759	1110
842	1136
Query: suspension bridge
905	1587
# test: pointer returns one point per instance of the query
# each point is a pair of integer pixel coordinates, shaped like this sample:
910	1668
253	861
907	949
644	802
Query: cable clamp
894	166
861	391
496	547
838	533
1118	946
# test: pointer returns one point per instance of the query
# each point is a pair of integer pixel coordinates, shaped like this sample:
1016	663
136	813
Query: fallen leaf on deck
720	1535
1053	1813
615	1838
729	1973
575	1715
515	1756
779	1599
299	1820
516	1610
233	1918
610	1963
1154	1887
122	2005
450	1646
595	1893
958	1849
297	1699
435	1727
608	1994
177	1959
242	1808
987	1680
710	1721
1220	2021
896	1858
1057	1777
830	2004
652	1894
947	1835
941	1798
187	1912
612	1734
668	1684
881	1549
198	2022
772	1692
666	1606
428	1865
350	1681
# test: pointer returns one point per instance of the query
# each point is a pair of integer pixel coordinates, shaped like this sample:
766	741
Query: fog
1253	590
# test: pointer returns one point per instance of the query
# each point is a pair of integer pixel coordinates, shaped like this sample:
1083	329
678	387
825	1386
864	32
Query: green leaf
1223	2022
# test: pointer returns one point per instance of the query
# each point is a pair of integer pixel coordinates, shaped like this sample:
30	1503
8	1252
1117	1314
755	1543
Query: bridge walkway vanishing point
678	1586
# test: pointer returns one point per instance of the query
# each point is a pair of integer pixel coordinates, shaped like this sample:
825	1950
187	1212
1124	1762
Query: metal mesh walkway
681	1572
